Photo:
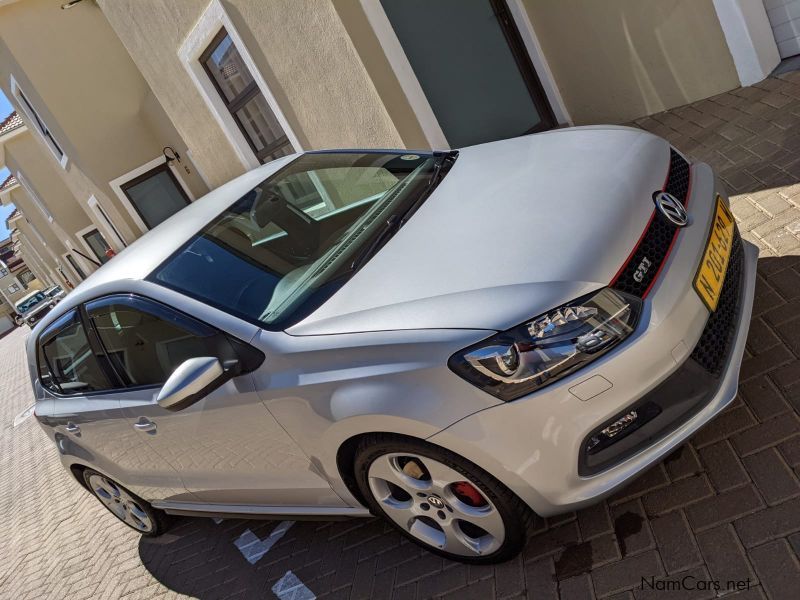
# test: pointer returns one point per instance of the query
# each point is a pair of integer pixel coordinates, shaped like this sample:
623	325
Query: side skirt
239	511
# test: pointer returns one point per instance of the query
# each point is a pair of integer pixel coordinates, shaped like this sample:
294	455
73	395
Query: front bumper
535	444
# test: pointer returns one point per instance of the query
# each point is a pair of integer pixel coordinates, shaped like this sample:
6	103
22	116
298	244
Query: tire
125	505
440	500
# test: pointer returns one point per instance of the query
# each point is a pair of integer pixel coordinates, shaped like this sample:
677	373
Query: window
25	277
155	195
104	218
34	196
243	99
67	363
13	288
286	245
29	302
146	342
75	267
3	271
98	244
39	124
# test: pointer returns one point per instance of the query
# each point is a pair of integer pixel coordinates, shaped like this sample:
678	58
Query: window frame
240	100
52	331
56	149
76	268
26	185
207	27
249	356
83	234
142	173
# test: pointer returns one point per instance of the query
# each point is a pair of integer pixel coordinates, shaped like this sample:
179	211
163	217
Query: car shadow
208	558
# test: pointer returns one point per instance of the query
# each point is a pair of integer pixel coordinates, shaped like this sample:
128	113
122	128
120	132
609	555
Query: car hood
515	228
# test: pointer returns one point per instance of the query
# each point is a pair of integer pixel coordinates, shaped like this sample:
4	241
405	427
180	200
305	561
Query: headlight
530	356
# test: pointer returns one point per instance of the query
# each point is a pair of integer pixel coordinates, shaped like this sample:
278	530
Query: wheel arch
345	462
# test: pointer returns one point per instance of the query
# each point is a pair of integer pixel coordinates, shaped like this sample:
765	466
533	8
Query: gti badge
669	206
641	270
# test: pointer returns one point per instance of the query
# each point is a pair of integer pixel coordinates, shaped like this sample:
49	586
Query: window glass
156	196
244	100
259	122
74	264
98	245
29	302
286	239
143	348
72	366
228	69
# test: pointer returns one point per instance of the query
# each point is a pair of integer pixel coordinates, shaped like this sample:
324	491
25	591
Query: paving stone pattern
723	508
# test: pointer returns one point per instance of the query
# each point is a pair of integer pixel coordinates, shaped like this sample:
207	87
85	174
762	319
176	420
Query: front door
74	397
473	68
227	447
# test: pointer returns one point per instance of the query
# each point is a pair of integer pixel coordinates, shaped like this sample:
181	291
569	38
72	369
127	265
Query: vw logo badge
669	206
435	502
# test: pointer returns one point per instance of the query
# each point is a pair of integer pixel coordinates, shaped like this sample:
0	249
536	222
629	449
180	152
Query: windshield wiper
443	164
388	228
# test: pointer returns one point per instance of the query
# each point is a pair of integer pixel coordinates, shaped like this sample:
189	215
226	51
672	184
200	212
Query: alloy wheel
436	504
120	502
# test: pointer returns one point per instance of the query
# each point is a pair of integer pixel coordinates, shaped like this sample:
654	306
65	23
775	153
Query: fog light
612	430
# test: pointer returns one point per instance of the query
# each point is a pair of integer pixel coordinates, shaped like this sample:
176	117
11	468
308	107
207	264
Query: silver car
453	341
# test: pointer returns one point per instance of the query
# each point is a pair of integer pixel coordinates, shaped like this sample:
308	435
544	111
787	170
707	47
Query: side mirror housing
193	380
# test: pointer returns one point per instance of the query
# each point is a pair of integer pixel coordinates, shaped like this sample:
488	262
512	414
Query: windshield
285	246
29	303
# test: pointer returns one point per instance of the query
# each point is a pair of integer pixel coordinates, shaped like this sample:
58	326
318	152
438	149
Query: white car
452	341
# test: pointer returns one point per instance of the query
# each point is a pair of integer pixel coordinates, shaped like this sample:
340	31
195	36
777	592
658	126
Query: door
473	68
76	400
227	447
784	16
155	195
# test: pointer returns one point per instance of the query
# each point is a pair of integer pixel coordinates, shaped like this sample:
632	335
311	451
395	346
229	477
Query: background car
56	292
34	306
453	341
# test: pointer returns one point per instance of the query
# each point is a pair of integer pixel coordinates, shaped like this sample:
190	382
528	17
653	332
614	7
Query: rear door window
67	363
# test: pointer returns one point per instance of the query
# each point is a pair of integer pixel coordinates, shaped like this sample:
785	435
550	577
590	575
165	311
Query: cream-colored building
134	108
96	160
236	75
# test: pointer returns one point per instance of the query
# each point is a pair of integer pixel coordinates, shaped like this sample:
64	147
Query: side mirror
192	380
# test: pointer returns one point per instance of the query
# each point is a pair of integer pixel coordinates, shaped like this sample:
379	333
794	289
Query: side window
146	341
67	363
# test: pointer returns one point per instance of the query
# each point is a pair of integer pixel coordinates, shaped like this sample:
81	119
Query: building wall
23	153
38	256
300	47
617	60
92	97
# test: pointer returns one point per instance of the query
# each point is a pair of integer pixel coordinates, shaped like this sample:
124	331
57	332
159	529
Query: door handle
72	428
145	424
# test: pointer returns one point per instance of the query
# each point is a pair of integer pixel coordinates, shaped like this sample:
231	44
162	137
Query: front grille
655	244
713	348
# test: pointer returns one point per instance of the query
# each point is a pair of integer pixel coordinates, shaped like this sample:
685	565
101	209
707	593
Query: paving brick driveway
725	507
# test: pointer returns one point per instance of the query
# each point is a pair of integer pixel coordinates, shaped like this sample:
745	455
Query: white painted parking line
253	548
21	417
216	520
289	587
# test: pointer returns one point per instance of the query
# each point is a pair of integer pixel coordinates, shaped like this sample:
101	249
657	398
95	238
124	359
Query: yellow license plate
711	273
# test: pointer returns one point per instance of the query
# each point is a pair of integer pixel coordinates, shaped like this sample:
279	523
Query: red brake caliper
467	493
